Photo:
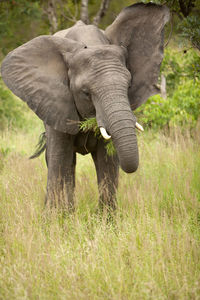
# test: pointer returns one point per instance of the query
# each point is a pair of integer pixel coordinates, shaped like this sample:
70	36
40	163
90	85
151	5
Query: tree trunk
51	12
102	11
163	87
84	11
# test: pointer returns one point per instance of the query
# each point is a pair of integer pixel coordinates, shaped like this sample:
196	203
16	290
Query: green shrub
183	108
186	104
15	114
11	109
179	67
190	27
156	113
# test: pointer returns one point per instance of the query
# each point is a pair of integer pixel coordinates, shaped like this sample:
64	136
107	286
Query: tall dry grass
149	251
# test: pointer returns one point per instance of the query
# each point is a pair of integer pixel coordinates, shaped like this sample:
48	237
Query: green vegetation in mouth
91	125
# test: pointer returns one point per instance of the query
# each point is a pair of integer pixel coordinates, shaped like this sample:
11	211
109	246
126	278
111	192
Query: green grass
151	250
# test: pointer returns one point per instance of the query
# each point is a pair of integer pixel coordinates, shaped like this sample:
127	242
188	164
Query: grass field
151	250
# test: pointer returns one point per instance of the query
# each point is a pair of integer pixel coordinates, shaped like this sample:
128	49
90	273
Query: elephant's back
87	34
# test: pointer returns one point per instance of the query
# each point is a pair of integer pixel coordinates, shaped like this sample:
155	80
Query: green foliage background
182	106
151	249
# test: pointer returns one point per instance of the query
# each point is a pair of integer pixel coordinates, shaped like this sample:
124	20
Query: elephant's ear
139	28
37	73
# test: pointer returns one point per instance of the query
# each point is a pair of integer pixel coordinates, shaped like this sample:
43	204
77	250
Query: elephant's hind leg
107	168
61	161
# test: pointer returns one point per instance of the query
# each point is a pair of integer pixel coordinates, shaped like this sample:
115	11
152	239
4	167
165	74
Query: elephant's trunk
120	123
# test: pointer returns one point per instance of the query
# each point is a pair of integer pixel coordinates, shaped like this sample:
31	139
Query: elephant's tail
41	146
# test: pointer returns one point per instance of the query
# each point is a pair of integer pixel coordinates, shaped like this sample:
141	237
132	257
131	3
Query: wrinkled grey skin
84	72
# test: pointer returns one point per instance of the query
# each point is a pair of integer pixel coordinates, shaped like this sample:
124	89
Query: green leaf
91	125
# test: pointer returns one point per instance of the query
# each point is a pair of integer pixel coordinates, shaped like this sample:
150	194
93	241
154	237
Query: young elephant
82	72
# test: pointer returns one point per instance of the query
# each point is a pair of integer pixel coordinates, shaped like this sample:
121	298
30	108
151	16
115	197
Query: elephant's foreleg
61	161
107	168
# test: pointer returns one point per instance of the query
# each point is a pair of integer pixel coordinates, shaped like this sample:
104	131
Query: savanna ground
150	250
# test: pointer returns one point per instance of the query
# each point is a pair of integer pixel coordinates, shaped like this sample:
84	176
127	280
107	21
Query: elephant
83	72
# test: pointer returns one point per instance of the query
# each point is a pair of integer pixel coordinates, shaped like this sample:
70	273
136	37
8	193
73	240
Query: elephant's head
65	79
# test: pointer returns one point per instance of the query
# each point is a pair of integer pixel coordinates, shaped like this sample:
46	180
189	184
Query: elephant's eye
86	93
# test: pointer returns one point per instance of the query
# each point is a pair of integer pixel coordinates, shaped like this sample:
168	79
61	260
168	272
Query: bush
15	114
179	67
182	109
182	106
11	109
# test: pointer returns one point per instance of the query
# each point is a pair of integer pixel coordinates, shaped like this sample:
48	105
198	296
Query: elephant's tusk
104	133
139	127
